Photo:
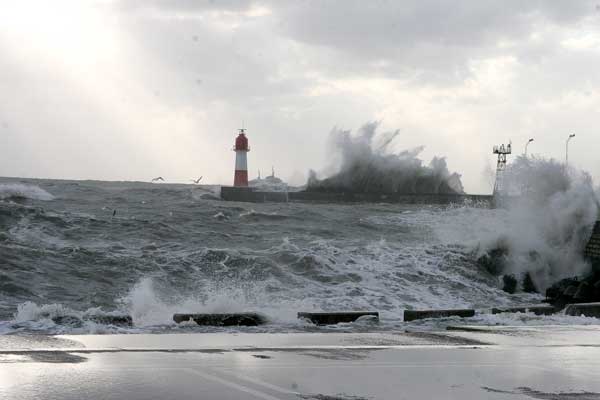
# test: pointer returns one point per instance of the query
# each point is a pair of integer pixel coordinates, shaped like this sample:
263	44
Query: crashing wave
546	226
367	166
21	191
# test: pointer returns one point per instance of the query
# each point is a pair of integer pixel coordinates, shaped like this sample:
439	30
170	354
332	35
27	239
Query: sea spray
365	163
30	311
151	305
546	225
148	306
21	191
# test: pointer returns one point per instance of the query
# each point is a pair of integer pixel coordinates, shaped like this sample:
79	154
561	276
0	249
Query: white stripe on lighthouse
241	163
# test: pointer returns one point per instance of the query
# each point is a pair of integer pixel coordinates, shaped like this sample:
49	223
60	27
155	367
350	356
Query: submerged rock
495	260
597	290
558	289
528	285
584	293
570	291
574	290
509	284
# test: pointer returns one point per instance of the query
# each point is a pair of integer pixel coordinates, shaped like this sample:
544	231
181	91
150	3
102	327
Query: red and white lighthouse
241	160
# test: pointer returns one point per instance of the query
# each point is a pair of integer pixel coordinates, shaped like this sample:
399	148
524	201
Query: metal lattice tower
502	151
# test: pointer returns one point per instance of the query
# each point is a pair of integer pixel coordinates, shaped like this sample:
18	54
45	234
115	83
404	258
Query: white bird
158	178
196	181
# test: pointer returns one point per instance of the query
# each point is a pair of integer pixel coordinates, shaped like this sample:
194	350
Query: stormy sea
74	250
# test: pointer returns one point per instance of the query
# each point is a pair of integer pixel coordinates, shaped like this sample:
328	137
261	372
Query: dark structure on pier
229	193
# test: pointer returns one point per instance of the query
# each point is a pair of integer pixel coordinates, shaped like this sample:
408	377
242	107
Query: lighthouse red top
241	142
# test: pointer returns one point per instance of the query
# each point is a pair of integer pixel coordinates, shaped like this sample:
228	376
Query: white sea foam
206	192
30	311
220	216
19	190
26	232
33	317
525	319
328	274
257	214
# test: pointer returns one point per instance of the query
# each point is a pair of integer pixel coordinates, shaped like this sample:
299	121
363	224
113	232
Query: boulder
509	284
494	261
558	288
597	290
570	291
584	293
528	285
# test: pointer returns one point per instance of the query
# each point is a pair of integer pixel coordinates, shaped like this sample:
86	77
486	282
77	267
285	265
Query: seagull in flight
158	178
196	181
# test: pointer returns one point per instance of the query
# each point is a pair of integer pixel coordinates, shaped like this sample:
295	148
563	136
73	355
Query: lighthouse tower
241	161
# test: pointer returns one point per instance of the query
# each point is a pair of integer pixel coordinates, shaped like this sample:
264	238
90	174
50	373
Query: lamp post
527	145
571	136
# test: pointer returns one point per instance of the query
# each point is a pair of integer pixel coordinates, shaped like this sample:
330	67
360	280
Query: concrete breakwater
229	193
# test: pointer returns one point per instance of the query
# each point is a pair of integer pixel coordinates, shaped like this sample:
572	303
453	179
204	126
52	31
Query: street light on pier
527	145
571	136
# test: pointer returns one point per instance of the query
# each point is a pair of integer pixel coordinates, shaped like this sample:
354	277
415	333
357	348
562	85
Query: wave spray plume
366	165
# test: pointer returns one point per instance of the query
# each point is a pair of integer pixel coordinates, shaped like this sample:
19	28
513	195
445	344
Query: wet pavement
472	363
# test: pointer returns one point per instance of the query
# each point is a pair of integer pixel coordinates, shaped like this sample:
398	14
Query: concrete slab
543	309
411	315
228	319
448	365
118	320
331	318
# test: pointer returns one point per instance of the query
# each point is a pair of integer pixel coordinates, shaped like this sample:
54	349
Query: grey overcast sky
132	89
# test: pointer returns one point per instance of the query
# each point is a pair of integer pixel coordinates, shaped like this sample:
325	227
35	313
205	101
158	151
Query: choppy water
174	248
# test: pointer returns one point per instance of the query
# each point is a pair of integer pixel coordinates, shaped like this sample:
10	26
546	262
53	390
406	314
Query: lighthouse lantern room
241	161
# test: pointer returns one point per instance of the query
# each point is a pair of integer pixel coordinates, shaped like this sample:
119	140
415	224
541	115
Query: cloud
186	5
113	89
381	28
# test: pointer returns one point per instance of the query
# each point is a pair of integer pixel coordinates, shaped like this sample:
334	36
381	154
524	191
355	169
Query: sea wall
247	194
341	197
229	193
